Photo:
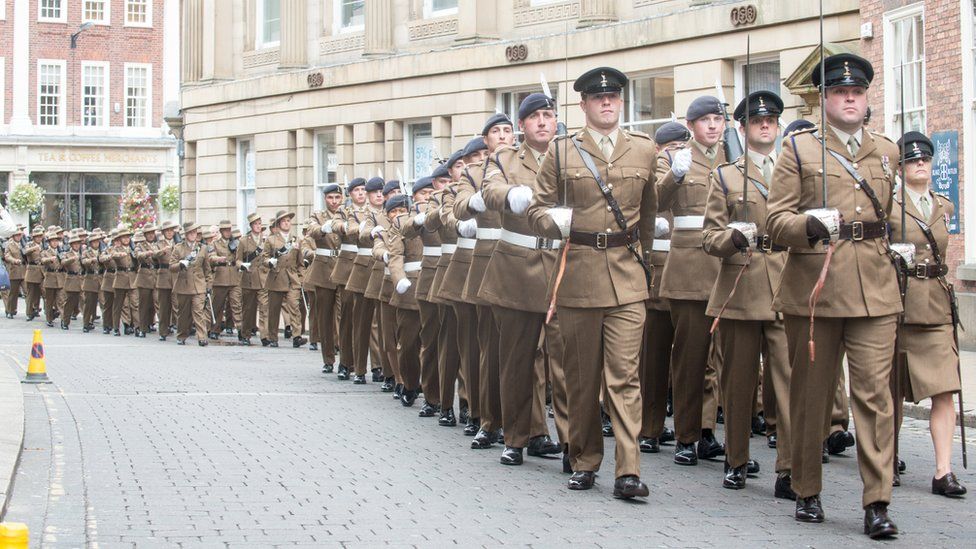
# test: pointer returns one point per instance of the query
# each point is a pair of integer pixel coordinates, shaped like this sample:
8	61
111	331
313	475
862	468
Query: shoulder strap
849	168
721	181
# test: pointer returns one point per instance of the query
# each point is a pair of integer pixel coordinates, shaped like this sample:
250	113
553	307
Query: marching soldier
250	254
73	279
600	196
51	261
125	267
405	255
188	261
164	278
16	260
320	274
282	254
108	282
93	279
145	281
224	277
855	311
928	354
362	308
682	184
742	297
380	288
307	303
34	277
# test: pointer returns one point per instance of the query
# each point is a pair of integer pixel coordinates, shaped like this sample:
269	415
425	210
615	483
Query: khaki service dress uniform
16	262
51	260
320	278
33	278
190	288
92	283
73	281
282	281
145	283
253	297
406	255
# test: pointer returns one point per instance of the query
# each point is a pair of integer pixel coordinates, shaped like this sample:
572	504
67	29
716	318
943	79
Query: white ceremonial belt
411	266
448	248
689	222
386	271
349	248
364	251
530	242
327	252
432	251
467	243
661	245
489	234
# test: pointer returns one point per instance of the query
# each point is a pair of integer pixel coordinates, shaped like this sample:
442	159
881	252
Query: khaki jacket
164	277
125	266
472	181
52	265
456	272
431	250
284	275
13	257
403	251
320	272
926	299
224	274
363	262
192	280
861	280
251	250
93	276
447	231
35	272
598	277
71	265
108	264
379	272
146	277
346	227
753	297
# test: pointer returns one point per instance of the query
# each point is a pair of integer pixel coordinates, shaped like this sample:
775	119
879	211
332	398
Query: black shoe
387	385
313	346
567	467
64	326
428	410
511	456
447	419
213	335
735	477
162	338
783	489
203	342
398	391
902	466
127	329
463	415
140	333
839	441
684	454
824	456
287	332
877	524
581	480
327	368
181	342
771	440
265	342
229	331
377	375
51	325
948	486
607	425
85	329
809	509
106	331
472	427
359	380
667	435
245	341
484	440
759	425
343	373
649	445
408	397
896	479
752	467
720	416
298	341
630	486
708	447
116	333
542	445
273	343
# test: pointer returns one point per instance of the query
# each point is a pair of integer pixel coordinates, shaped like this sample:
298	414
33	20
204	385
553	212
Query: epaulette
721	178
804	130
504	148
942	196
882	136
637	133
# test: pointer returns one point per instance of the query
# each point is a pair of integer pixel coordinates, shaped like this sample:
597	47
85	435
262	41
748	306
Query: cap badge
847	69
603	80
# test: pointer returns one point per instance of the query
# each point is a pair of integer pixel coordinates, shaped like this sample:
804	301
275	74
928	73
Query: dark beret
355	183
475	145
496	119
375	184
534	102
440	171
397	201
422	183
390	186
705	104
798	125
458	155
671	131
331	188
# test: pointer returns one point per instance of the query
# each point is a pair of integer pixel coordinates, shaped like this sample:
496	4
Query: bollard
13	535
37	368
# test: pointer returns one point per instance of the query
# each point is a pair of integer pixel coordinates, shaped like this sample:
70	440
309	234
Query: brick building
81	116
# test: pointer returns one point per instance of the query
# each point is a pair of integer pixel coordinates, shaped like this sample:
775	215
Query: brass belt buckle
857	231
542	243
601	241
921	270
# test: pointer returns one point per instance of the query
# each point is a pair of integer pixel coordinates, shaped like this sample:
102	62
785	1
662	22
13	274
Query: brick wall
943	67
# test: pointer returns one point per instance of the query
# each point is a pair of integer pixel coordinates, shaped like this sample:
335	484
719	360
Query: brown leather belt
602	241
765	244
928	270
860	230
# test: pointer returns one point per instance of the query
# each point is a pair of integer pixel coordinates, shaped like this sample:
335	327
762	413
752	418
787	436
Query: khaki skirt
931	355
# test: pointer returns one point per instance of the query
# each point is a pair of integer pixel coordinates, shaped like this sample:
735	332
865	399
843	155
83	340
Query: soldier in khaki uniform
404	259
225	275
164	278
51	262
320	273
188	262
600	300
928	357
742	296
362	308
515	285
343	226
307	303
145	281
282	254
857	310
682	183
93	278
380	288
34	276
16	260
125	268
73	279
250	257
108	282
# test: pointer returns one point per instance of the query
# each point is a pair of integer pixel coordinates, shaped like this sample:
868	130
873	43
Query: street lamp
81	29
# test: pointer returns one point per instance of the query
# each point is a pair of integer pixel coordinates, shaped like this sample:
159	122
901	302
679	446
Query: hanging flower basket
26	198
169	198
136	205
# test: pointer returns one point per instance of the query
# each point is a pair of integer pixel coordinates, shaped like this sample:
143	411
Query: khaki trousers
12	296
712	396
375	337
108	309
362	321
51	296
347	349
689	362
840	416
165	299
324	309
592	360
655	372
290	310
869	343
430	325
554	349
91	305
146	309
236	308
119	311
448	357
276	302
388	327
219	297
251	302
488	380
192	311
70	307
467	341
408	347
313	321
33	299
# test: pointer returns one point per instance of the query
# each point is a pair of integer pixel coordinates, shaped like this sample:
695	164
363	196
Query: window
648	103
94	94
905	57
50	92
350	15
439	8
96	11
138	13
269	23
246	179
138	107
763	76
51	10
326	164
508	103
419	153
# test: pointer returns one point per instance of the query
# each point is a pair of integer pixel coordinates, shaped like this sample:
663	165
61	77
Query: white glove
477	203
376	230
185	263
468	228
362	225
563	217
245	266
327	227
681	163
273	262
419	219
386	257
661	227
519	198
402	286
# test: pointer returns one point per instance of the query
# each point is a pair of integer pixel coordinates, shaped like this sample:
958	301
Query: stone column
294	42
192	40
476	21
379	28
20	120
596	12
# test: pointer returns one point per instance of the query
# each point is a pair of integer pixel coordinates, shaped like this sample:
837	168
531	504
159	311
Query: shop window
648	103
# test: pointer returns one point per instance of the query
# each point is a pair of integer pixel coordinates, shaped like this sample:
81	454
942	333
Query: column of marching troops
608	274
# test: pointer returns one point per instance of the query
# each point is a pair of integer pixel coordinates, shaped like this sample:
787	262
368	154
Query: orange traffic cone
36	368
13	535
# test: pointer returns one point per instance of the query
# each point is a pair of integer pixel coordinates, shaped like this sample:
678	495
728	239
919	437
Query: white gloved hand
519	198
386	257
376	230
245	266
402	286
185	264
563	217
477	203
362	225
327	227
419	219
468	228
661	227
273	262
681	163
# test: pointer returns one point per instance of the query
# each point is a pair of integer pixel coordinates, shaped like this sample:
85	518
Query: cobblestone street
139	443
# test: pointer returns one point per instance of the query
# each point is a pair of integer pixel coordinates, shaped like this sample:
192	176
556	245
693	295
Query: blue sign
945	171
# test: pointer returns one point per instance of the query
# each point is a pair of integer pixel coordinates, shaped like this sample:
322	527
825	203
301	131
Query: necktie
923	201
767	169
852	145
607	147
710	153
